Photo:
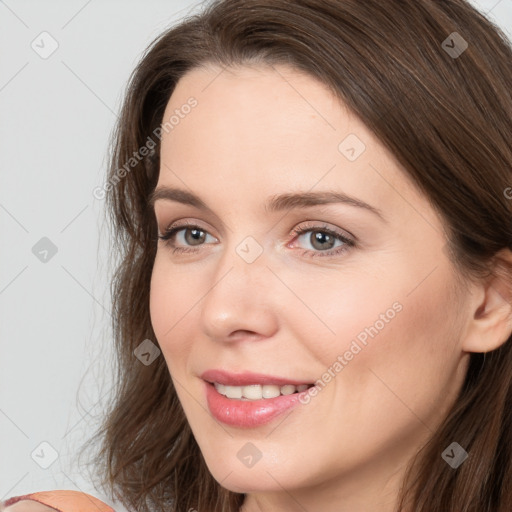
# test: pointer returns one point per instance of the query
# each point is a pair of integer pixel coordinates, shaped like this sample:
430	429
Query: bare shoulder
27	506
50	501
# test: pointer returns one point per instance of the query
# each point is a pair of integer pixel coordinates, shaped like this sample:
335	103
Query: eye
192	235
187	237
323	240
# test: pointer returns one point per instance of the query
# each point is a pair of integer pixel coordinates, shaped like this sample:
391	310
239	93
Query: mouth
250	400
258	391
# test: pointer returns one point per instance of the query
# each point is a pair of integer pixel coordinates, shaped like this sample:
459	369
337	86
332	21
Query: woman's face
363	302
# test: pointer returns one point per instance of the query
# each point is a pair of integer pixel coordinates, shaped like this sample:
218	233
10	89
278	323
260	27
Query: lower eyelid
334	252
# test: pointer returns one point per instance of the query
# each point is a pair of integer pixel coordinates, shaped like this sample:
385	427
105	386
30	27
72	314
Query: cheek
345	314
171	303
383	323
389	363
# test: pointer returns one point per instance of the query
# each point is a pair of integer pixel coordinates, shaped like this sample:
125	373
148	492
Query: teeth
288	389
257	392
270	391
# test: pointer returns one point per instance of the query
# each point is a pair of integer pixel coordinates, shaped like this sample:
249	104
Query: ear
491	307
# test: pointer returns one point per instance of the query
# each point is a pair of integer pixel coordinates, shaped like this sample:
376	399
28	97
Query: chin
261	477
246	481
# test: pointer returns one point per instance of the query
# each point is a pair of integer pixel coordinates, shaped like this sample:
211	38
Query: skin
27	506
261	131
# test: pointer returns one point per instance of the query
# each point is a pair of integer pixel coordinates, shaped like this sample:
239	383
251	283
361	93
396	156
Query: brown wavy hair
447	119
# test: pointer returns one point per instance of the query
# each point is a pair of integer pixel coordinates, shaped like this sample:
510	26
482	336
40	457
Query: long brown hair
443	109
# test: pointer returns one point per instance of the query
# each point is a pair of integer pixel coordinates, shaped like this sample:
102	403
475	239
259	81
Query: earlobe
491	325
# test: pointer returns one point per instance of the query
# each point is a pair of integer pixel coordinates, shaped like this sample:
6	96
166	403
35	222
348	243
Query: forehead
276	97
276	128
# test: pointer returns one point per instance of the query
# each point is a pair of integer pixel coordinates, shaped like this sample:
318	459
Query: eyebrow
274	204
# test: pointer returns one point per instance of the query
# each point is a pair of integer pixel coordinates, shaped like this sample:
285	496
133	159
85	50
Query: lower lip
248	413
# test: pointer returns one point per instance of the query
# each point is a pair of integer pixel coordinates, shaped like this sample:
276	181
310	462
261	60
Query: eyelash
348	243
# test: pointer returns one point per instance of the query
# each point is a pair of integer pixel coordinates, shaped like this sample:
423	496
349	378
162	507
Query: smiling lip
247	378
247	413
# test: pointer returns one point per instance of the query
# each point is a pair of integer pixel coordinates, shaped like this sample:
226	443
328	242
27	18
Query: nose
240	302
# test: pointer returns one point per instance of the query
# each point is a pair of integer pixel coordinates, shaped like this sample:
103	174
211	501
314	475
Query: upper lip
247	378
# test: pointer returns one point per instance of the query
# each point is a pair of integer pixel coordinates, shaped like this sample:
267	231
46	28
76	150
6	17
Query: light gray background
57	114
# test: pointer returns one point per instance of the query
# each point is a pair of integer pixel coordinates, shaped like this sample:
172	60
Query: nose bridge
243	262
239	297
